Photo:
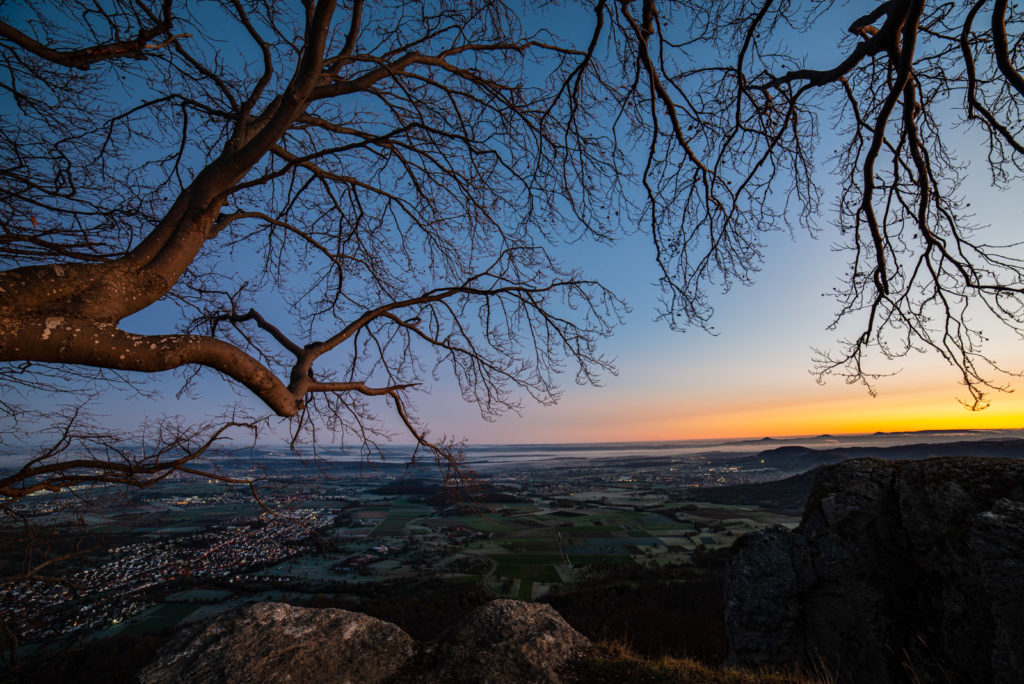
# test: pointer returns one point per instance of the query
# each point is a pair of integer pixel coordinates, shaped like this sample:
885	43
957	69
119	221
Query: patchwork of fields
516	550
532	548
543	537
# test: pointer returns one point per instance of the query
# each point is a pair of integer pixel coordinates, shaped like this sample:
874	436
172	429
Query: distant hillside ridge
790	493
802	459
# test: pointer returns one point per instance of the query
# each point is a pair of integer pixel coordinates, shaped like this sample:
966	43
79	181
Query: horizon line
469	443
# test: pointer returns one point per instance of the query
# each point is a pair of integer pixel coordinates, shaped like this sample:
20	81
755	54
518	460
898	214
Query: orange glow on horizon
900	413
836	410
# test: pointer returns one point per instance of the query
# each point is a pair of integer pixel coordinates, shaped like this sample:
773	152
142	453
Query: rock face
275	642
508	641
899	571
502	641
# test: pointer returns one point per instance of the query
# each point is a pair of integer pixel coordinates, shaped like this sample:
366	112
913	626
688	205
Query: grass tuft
613	662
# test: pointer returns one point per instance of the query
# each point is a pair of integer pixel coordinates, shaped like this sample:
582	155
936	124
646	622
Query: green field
161	617
371	512
314	568
527	544
659	530
596	532
201	595
526	558
390	527
519	508
580	560
488	523
540	573
397	518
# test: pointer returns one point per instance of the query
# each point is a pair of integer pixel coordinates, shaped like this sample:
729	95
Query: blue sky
751	379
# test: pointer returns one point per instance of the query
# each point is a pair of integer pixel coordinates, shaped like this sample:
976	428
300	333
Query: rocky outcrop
508	641
502	641
275	642
898	571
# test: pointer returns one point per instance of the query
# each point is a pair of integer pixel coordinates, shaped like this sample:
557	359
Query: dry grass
614	662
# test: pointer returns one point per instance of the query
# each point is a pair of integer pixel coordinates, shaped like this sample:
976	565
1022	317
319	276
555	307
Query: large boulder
508	641
276	642
899	571
502	641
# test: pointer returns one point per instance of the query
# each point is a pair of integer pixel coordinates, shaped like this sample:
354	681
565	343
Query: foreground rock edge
911	569
502	641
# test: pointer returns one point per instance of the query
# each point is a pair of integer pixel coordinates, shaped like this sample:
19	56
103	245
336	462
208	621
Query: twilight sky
750	380
753	378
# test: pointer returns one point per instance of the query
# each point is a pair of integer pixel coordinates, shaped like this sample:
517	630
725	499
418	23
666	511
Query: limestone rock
508	641
502	641
276	642
898	570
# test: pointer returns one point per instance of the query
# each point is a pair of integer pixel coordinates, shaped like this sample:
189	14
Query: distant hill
794	459
790	493
800	459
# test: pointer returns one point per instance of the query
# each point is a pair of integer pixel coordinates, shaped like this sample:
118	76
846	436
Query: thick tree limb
83	58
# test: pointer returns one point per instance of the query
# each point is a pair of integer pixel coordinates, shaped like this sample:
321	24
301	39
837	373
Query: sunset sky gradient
751	379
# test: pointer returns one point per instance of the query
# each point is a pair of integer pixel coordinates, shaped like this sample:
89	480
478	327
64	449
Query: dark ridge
787	495
794	458
755	441
799	458
790	493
